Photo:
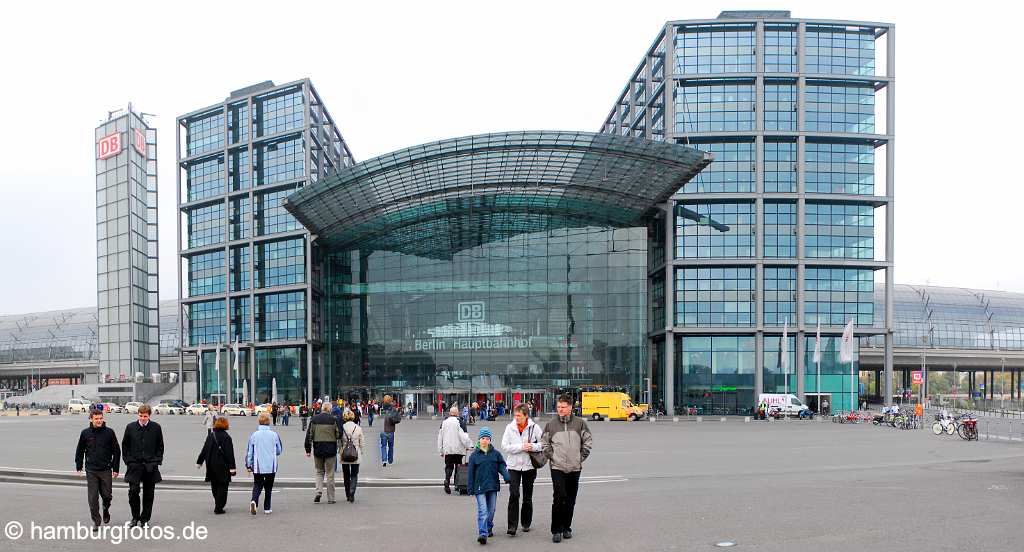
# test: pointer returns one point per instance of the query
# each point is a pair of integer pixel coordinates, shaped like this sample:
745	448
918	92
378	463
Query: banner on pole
846	347
817	344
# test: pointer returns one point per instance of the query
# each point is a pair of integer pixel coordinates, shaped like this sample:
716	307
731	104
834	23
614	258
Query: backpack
396	416
348	450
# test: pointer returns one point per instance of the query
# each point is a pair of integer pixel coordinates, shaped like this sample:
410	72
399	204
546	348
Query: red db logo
110	146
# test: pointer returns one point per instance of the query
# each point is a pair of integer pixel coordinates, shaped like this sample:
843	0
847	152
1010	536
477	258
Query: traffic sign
917	377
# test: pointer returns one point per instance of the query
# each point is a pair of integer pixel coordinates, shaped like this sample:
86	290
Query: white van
785	404
78	406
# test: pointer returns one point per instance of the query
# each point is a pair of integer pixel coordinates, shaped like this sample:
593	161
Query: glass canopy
440	198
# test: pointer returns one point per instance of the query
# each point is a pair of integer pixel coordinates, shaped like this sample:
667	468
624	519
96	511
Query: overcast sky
398	74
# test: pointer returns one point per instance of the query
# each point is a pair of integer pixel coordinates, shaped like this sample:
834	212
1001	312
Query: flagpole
784	349
817	362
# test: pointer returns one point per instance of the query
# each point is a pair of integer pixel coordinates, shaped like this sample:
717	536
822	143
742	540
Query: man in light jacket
521	437
452	444
567	442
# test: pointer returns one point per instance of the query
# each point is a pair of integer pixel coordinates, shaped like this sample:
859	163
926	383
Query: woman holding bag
219	456
521	443
351	453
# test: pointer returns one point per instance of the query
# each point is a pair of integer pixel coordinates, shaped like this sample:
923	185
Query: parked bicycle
944	423
967	427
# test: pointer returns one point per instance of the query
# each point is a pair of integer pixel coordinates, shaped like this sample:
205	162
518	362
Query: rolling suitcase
462	479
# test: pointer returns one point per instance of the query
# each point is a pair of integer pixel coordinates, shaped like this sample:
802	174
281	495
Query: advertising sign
917	377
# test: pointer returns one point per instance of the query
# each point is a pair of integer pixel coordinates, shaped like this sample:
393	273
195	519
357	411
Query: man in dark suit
142	448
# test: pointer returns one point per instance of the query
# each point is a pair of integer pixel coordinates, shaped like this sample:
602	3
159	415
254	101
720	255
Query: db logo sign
471	312
139	141
109	146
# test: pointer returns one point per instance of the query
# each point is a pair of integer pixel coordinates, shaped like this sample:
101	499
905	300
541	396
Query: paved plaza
652	486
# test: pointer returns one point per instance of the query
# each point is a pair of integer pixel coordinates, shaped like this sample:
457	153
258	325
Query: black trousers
260	482
147	487
350	472
565	485
526	478
100	484
450	461
220	494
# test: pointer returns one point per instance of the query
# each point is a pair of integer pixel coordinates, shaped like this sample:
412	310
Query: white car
265	407
197	409
78	406
132	407
111	408
236	410
168	407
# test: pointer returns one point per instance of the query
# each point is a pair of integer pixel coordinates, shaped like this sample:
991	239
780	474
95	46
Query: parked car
169	407
112	408
265	407
132	407
197	409
236	410
78	406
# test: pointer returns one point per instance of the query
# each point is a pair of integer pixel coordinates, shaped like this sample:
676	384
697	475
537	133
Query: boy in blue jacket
485	464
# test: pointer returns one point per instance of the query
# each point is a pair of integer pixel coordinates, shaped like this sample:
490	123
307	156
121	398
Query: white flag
846	347
817	344
785	347
235	367
216	366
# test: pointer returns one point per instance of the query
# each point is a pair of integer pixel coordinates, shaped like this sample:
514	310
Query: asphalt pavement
652	486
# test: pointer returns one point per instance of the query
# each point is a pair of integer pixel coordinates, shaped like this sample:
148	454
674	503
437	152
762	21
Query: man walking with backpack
566	442
322	439
392	417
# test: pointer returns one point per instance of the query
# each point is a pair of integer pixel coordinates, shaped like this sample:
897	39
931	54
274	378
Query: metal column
890	177
670	308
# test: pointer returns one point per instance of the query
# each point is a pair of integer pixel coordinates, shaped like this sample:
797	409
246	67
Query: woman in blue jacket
261	461
485	464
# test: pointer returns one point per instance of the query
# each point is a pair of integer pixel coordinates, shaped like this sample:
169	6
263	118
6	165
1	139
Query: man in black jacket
97	447
143	450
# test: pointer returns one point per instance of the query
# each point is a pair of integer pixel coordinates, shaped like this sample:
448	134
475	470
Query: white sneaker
268	512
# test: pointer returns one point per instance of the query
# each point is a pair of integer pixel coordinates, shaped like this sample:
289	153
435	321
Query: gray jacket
567	443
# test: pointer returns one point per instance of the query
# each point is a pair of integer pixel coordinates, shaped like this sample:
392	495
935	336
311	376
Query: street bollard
746	419
722	419
700	418
652	419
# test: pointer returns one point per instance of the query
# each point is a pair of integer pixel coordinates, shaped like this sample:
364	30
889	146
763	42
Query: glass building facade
127	266
503	267
246	265
789	225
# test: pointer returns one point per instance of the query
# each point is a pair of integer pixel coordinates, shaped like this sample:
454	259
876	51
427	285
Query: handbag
348	450
538	458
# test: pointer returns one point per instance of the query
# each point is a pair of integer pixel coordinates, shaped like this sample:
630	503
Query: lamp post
1002	382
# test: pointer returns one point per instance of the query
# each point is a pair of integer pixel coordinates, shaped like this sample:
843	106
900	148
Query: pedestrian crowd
335	441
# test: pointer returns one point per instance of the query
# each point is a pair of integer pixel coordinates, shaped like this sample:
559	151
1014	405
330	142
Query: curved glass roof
954	318
68	334
439	198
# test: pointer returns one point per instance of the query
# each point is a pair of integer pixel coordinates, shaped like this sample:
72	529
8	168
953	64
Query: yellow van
611	406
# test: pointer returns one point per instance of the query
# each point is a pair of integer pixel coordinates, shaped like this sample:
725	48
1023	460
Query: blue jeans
387	448
485	504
